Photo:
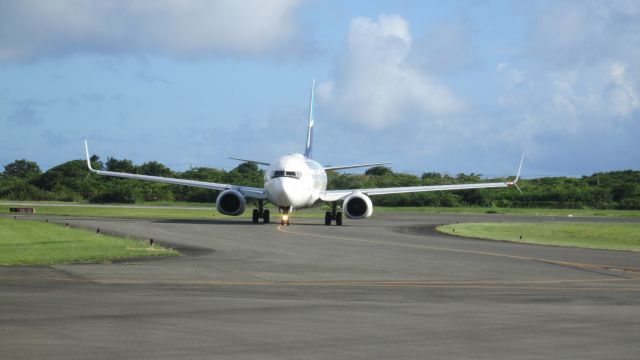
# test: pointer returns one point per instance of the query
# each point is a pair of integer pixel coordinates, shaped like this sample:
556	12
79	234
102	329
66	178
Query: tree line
71	181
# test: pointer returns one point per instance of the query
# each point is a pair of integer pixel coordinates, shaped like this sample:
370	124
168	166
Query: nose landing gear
260	213
332	215
285	219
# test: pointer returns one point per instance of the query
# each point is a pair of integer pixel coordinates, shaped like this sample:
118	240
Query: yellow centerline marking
498	284
401	282
310	282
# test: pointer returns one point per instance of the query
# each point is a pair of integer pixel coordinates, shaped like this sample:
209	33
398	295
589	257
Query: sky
446	86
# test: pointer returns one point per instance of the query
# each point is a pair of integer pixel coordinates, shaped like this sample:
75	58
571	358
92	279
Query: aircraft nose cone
288	192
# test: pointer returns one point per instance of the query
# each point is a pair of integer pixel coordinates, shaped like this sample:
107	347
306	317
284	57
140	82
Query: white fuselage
294	182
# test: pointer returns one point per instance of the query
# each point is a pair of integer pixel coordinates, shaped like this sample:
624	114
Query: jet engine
357	206
231	202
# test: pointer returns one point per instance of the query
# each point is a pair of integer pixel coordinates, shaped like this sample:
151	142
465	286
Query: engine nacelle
357	206
231	202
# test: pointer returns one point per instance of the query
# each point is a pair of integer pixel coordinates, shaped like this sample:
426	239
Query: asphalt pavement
380	288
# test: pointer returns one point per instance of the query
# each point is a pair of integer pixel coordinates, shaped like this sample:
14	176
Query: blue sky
462	86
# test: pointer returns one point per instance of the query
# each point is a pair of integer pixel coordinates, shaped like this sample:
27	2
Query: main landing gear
260	213
329	216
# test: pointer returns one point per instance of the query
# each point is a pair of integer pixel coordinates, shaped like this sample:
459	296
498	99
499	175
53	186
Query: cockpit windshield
283	173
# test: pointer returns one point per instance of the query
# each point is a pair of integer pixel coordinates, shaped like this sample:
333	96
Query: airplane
295	181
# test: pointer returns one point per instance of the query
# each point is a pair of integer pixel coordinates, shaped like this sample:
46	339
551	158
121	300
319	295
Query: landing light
285	217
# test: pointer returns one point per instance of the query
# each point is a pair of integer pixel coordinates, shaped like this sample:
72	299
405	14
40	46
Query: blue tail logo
309	145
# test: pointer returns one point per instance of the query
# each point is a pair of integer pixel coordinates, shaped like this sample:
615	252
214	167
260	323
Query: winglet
515	181
86	152
519	168
309	144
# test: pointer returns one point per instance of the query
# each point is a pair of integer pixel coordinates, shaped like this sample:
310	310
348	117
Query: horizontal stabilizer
354	166
251	161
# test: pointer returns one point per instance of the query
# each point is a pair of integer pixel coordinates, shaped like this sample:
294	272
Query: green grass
513	211
160	212
203	211
588	235
39	243
122	212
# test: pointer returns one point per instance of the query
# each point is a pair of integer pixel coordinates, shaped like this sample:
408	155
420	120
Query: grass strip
512	211
121	212
39	243
152	212
586	235
198	211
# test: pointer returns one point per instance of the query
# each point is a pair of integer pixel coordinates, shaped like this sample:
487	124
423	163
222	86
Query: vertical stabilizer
309	145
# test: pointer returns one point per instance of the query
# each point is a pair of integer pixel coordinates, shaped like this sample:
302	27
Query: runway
384	287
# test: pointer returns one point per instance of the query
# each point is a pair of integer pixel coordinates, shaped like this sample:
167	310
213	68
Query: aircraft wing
252	192
337	195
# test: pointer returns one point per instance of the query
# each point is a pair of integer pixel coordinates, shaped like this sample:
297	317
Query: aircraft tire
265	216
327	218
256	216
339	218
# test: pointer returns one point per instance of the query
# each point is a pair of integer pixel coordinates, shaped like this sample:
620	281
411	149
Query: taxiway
385	287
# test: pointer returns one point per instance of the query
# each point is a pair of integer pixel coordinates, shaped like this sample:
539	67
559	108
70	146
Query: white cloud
620	92
446	48
375	82
582	74
569	101
569	33
606	91
30	29
514	76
